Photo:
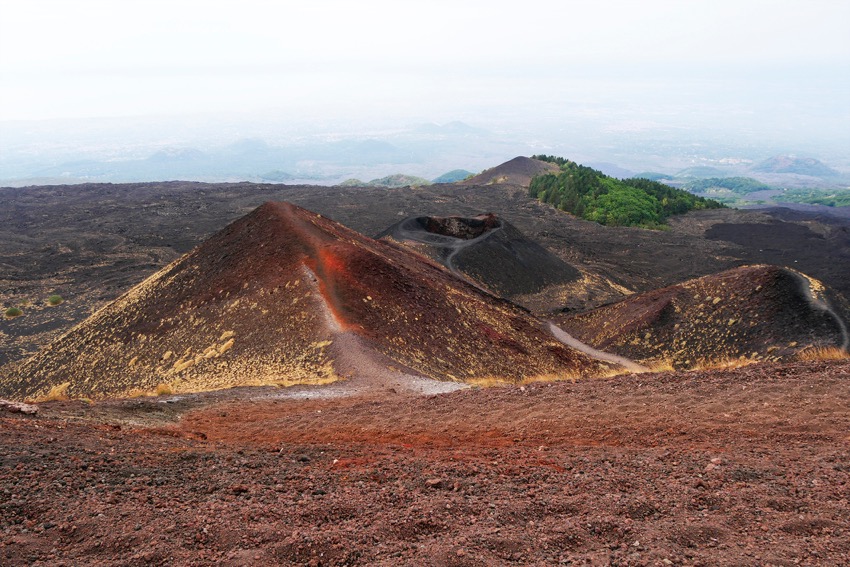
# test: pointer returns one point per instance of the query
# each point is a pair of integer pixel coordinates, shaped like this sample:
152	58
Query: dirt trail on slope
364	370
451	244
816	300
456	245
369	372
571	341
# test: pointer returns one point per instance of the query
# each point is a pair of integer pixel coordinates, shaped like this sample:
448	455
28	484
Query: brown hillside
757	312
283	296
518	171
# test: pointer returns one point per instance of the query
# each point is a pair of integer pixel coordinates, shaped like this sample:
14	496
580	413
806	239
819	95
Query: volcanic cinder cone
263	302
485	250
757	312
518	171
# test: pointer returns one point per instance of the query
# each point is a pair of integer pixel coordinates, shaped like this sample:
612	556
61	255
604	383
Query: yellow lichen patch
225	347
816	286
133	361
136	393
181	365
660	365
502	381
489	382
167	355
286	383
226	335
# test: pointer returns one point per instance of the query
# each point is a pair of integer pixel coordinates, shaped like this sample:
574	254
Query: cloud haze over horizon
756	68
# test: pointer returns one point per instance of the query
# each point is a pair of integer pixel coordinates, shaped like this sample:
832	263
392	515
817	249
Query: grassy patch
54	300
13	312
661	365
164	390
727	363
59	392
823	353
592	195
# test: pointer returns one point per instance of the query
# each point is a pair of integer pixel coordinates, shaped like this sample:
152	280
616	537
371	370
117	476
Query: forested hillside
592	195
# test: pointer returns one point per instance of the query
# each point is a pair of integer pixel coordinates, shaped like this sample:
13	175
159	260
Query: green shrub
54	300
13	312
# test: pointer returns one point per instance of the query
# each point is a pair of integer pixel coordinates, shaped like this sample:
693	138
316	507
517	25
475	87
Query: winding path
455	245
573	342
450	244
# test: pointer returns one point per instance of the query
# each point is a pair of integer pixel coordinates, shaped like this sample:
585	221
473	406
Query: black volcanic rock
486	250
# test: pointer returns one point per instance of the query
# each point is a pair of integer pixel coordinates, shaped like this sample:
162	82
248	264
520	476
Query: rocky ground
738	467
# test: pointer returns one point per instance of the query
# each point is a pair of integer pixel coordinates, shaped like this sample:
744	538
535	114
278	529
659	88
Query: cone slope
262	302
756	312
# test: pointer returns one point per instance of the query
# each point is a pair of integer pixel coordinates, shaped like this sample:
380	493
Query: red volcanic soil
743	467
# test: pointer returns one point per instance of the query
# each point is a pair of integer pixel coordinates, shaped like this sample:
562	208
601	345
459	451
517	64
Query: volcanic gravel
739	467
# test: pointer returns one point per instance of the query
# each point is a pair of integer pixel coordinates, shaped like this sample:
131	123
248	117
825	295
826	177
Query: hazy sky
78	58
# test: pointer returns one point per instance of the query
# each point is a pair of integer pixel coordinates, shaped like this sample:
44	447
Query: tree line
594	196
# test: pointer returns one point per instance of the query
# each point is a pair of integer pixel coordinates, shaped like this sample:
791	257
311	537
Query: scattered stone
18	407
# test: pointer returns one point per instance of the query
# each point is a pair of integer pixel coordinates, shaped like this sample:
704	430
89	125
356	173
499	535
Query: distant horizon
660	84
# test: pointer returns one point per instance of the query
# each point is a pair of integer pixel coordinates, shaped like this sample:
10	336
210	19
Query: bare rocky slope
518	171
721	467
752	312
279	297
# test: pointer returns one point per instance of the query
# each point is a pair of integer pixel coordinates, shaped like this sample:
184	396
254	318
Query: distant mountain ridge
796	165
394	180
453	176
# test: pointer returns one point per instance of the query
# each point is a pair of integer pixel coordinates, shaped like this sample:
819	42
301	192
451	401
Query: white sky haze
650	82
92	58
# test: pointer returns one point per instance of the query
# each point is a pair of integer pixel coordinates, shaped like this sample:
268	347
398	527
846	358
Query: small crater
460	227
